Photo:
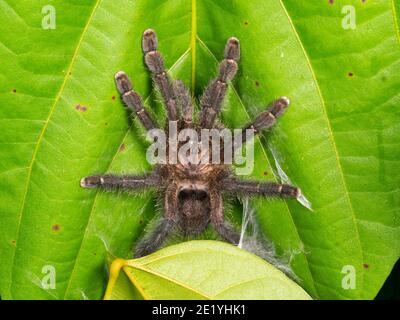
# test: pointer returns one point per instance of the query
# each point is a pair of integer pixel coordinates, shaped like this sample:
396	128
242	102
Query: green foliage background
339	141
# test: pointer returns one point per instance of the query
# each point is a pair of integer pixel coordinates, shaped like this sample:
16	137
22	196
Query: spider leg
227	232
266	189
155	63
127	182
171	202
214	94
164	227
155	239
185	101
133	100
267	119
223	228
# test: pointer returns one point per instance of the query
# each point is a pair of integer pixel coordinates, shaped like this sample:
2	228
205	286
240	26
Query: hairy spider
192	194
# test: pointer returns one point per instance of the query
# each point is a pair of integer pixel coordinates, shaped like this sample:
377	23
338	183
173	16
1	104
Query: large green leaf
339	141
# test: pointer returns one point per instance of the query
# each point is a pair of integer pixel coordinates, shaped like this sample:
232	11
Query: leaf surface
61	120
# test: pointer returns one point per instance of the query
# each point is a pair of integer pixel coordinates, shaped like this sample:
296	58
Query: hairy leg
164	227
223	228
170	202
227	232
267	119
155	239
155	63
133	100
185	101
120	182
266	189
214	94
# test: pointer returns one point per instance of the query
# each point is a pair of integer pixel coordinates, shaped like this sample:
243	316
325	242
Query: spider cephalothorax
192	192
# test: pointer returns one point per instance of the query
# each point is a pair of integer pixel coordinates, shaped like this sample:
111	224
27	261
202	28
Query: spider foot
123	83
90	182
149	41
232	49
290	191
279	106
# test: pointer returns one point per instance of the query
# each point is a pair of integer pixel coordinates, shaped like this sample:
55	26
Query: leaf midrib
42	134
395	21
193	36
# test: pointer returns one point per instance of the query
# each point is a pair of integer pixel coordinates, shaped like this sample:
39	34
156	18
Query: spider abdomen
193	210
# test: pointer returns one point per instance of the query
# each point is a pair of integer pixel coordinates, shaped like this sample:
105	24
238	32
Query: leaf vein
331	136
42	133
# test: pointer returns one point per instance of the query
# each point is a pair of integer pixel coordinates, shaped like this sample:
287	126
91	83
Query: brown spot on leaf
365	265
55	227
350	74
13	242
122	147
265	173
113	97
331	1
257	83
246	23
14	90
140	221
80	108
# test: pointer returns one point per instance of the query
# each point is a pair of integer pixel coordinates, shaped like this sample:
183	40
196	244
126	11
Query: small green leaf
200	270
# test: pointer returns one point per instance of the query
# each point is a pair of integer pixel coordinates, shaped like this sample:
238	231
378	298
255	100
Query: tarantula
191	193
